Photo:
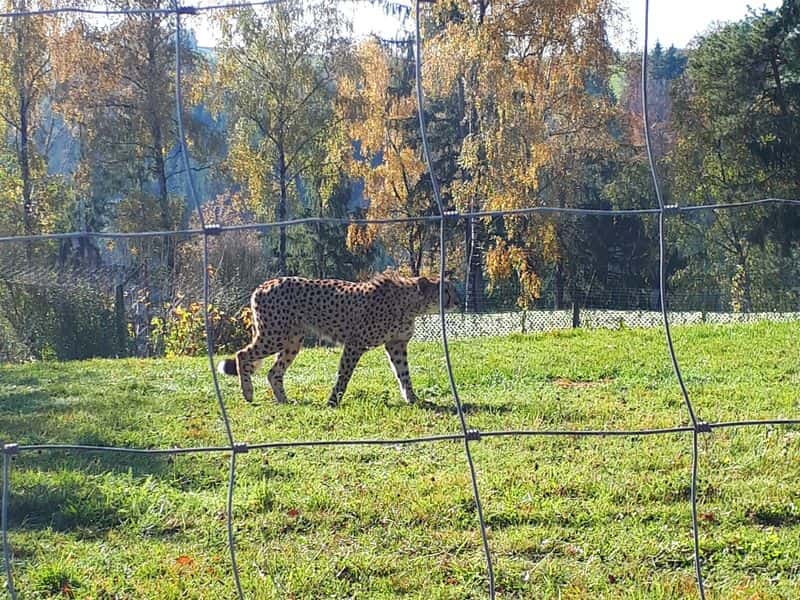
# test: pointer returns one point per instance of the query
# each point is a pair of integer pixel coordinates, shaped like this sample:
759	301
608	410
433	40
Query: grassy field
569	517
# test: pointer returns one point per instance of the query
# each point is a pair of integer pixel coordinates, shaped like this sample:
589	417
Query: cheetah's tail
227	367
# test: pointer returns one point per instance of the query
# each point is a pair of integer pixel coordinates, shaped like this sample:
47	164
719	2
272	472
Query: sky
676	22
672	22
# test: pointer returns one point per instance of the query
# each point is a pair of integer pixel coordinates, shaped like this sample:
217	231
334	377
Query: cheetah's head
429	288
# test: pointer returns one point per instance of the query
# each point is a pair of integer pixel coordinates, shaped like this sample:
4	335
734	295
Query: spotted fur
359	316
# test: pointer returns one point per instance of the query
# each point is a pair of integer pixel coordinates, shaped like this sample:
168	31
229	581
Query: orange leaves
360	237
502	201
548	240
521	68
447	56
468	158
184	561
503	261
498	263
369	95
379	113
531	286
518	74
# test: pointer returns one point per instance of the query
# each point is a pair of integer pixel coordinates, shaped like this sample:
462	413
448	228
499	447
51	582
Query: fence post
120	330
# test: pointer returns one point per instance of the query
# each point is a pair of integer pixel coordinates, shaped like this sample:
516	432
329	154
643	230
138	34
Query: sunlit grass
569	517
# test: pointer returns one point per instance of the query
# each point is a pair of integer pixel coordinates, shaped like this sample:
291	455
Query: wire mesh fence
26	268
464	326
58	301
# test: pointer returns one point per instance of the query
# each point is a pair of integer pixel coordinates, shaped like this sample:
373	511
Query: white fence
427	327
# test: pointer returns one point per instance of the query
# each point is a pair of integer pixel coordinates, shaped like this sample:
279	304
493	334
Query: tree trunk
745	283
319	247
576	306
23	156
23	149
558	282
748	300
120	327
165	218
558	285
776	77
152	99
473	287
413	257
281	212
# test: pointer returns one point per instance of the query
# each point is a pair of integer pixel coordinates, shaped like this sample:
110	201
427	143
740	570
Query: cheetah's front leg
397	351
347	363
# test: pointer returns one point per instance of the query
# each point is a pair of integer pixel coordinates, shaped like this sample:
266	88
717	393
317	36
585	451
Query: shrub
182	332
66	323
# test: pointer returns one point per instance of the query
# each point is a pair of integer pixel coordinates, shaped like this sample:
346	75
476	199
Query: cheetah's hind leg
249	358
285	357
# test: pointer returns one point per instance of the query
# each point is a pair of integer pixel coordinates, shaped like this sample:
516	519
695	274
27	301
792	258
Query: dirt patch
565	383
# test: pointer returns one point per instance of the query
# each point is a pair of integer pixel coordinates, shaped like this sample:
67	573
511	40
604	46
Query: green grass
569	517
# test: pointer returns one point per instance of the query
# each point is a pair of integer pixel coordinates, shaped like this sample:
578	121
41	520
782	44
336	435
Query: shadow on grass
60	424
467	407
20	376
782	516
93	462
25	403
63	506
79	493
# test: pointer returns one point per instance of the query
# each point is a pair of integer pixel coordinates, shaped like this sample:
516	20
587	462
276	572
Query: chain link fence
465	326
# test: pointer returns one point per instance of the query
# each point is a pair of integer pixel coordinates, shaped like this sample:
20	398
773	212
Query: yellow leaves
360	237
498	263
368	99
182	330
503	261
379	112
519	71
372	108
549	242
390	185
468	157
446	58
502	201
246	318
249	163
531	290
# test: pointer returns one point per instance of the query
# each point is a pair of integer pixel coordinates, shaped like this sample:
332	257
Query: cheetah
359	316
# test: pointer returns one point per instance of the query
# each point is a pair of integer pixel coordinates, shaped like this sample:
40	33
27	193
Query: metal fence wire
453	325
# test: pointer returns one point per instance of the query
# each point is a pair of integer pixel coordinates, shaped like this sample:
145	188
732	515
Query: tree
117	97
674	64
277	72
738	121
120	102
27	84
532	110
382	148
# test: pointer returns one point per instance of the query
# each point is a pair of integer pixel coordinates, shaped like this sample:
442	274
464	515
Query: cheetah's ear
426	286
